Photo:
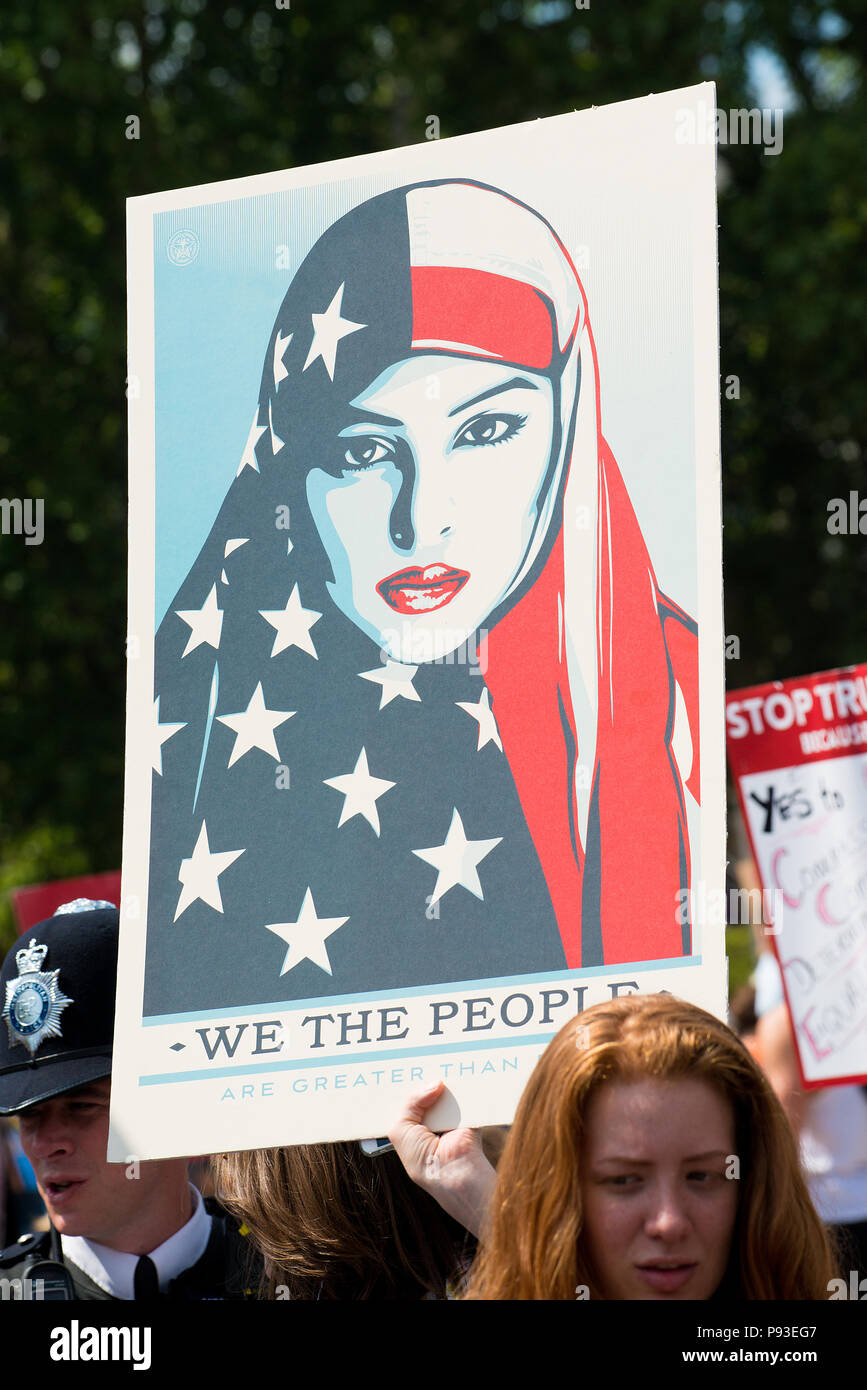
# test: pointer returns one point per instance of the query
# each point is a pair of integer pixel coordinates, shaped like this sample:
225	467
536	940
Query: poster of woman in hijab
425	707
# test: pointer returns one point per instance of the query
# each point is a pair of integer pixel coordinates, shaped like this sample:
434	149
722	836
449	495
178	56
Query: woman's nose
423	511
667	1218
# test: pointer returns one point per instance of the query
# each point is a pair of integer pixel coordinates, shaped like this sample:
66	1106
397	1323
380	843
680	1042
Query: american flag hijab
328	819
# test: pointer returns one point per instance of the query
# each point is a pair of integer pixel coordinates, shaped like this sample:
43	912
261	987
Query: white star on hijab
328	329
456	860
199	874
248	458
280	346
205	623
229	549
161	734
293	624
254	727
488	731
396	680
306	938
361	792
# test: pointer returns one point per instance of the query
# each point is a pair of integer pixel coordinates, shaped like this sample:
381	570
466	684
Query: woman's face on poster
429	503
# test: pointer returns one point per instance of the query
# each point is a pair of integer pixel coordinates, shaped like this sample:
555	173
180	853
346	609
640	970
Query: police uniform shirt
229	1268
113	1271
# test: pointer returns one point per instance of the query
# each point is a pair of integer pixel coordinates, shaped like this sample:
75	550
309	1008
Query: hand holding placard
450	1166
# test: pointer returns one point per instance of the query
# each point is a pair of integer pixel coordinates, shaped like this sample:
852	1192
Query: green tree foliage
221	90
793	300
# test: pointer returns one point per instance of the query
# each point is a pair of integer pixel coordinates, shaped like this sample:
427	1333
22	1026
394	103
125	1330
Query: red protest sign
40	900
798	752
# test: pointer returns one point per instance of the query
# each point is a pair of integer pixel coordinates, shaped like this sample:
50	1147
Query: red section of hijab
466	309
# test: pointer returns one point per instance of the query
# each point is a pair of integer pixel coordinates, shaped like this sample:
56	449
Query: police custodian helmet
57	992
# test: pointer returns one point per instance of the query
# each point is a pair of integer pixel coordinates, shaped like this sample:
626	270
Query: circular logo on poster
183	248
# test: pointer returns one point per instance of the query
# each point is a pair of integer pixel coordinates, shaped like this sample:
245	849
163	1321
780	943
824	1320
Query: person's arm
774	1034
450	1166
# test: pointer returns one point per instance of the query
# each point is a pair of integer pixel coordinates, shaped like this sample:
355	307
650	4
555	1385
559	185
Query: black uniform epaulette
26	1246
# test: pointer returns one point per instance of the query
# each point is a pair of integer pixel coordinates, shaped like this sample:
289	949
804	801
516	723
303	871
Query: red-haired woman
649	1159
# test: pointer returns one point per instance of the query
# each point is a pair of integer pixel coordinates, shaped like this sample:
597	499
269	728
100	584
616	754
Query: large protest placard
798	750
425	526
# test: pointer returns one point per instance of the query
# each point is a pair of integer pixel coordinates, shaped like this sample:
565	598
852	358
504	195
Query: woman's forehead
446	381
653	1110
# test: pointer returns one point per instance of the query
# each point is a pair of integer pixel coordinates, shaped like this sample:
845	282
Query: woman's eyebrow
645	1162
365	415
494	391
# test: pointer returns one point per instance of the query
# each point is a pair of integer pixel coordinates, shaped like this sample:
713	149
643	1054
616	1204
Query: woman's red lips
422	590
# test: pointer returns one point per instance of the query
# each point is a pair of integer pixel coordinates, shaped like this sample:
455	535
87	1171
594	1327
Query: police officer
118	1231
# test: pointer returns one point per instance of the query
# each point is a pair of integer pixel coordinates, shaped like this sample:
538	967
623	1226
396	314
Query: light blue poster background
213	316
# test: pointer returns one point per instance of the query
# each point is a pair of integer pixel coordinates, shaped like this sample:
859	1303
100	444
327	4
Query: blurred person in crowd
117	1231
334	1222
10	1179
27	1207
649	1159
831	1122
742	1018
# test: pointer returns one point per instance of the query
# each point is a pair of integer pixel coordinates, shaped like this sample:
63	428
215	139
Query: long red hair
532	1247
